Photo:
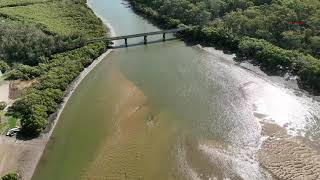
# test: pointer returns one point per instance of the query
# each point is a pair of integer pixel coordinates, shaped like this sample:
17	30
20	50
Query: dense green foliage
272	23
65	18
3	105
257	29
43	98
25	72
44	41
271	20
20	42
29	34
4	66
11	3
11	176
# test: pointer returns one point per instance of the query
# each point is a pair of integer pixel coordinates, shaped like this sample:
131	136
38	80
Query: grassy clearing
12	122
5	3
3	127
62	18
7	122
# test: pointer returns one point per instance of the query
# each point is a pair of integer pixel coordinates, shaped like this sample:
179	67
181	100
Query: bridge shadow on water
142	43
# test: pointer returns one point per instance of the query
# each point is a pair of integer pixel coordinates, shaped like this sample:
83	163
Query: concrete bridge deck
126	37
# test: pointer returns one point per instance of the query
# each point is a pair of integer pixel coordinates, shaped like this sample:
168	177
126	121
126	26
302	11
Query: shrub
4	66
11	176
43	98
3	105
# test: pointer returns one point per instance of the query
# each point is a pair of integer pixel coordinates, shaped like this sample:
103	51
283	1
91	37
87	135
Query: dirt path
20	156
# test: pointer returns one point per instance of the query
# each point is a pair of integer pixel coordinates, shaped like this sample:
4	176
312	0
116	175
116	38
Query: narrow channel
166	110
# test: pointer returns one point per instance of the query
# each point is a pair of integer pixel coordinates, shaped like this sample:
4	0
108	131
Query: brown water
169	111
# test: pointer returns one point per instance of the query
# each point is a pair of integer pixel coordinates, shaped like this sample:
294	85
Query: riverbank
207	96
27	153
271	58
288	149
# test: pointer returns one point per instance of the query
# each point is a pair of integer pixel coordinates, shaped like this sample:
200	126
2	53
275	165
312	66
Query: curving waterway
170	111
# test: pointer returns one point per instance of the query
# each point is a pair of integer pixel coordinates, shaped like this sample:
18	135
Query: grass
6	3
8	123
62	18
3	127
12	122
66	18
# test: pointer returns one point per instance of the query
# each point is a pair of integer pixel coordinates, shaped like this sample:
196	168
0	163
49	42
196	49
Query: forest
49	51
283	36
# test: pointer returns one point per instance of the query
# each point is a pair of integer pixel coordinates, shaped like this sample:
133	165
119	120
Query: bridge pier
145	39
126	37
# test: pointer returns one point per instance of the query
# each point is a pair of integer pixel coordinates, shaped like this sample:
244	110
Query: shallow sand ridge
131	144
288	158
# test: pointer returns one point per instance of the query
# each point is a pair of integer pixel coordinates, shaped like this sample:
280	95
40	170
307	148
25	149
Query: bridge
144	35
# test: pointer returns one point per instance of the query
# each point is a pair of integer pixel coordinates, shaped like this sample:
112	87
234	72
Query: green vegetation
31	33
3	105
12	122
45	41
11	176
2	127
4	66
11	3
7	122
64	18
43	98
258	29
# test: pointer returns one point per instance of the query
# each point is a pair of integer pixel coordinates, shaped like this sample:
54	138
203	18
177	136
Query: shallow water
168	111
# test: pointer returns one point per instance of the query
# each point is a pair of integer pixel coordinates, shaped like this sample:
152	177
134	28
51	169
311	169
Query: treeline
43	98
271	57
290	24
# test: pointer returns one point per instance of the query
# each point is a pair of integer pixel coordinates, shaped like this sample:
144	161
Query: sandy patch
271	129
289	158
4	91
138	141
127	116
19	156
17	87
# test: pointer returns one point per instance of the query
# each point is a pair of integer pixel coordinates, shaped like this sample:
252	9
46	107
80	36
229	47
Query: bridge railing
125	37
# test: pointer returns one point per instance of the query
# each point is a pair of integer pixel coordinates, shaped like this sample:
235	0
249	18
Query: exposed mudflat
289	158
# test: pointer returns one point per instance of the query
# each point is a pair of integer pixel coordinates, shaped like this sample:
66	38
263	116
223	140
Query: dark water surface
168	111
